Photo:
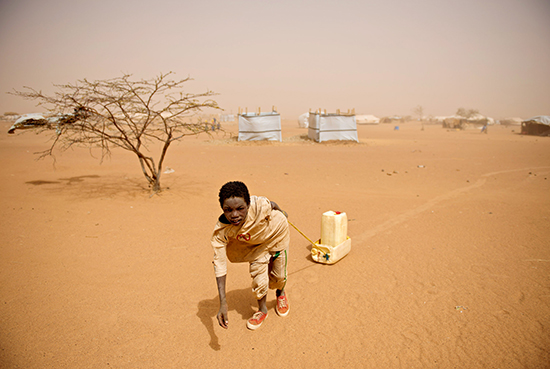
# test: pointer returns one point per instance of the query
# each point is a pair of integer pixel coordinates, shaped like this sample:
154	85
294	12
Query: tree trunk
156	185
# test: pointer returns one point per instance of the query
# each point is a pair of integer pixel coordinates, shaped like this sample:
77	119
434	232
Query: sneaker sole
253	327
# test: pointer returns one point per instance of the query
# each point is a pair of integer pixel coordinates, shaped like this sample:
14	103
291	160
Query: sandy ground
449	268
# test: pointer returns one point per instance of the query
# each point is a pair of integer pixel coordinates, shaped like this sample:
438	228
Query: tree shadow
67	181
78	179
40	182
240	301
117	185
94	186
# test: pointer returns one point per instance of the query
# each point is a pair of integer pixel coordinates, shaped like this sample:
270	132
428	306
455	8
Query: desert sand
449	267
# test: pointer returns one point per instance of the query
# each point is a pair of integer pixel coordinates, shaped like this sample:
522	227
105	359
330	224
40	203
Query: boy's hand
222	317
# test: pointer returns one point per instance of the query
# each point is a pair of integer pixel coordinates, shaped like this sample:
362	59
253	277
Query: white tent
31	120
539	125
326	127
539	119
366	119
481	119
262	126
513	121
441	119
303	120
49	121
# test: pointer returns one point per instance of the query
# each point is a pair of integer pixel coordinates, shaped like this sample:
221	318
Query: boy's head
234	200
234	189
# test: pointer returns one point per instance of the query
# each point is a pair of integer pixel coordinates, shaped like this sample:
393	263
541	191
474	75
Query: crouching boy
255	230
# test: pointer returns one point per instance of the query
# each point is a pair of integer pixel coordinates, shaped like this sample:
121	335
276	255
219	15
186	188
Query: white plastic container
334	228
334	243
325	254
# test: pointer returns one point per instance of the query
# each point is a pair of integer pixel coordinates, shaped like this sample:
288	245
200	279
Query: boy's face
235	210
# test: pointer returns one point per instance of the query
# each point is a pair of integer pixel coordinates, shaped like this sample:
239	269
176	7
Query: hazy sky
379	57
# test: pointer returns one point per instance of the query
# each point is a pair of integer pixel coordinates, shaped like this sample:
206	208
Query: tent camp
366	119
260	126
327	127
539	126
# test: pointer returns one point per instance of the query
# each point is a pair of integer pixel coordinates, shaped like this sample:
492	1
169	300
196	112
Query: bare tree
419	112
461	112
120	112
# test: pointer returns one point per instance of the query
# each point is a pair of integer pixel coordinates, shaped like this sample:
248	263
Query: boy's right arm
223	319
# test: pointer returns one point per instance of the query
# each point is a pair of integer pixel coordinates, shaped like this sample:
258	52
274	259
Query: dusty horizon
381	59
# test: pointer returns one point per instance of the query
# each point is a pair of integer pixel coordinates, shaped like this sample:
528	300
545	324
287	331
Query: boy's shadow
241	301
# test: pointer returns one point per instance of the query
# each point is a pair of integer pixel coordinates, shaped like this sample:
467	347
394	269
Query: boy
255	230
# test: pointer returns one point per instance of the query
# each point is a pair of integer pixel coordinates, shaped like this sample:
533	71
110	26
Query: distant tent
454	122
34	120
31	120
261	126
366	119
303	120
514	121
327	127
480	120
394	119
439	119
10	116
226	118
539	126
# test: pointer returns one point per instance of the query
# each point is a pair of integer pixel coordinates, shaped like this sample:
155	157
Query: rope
306	237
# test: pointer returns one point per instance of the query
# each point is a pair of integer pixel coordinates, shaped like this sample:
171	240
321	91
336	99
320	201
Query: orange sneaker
256	321
282	307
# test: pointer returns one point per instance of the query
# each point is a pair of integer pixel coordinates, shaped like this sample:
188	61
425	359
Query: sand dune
450	264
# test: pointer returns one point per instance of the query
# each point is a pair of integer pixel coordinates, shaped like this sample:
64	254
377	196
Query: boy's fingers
222	320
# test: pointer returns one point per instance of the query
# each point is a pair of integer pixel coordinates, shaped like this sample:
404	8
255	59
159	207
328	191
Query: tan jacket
263	231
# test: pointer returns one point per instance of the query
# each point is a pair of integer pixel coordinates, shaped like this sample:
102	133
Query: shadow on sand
94	186
240	301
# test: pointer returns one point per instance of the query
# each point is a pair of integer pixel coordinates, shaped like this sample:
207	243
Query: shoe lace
282	302
257	315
